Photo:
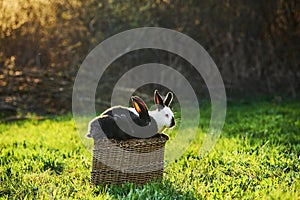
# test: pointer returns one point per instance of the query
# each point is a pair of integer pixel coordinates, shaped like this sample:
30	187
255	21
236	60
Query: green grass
257	157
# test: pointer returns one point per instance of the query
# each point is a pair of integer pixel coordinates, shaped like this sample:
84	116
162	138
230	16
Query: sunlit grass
257	156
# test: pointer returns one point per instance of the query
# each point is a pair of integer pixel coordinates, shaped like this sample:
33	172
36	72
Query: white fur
160	117
134	111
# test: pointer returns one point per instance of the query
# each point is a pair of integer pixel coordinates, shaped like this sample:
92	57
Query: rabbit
163	115
107	124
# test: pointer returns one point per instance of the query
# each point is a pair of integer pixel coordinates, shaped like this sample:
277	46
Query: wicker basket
137	160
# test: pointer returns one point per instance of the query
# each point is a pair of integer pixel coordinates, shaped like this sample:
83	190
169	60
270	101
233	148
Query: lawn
257	157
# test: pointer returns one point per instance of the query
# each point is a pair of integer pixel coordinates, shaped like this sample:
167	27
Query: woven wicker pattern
137	160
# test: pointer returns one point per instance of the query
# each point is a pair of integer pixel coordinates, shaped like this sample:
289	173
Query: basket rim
158	138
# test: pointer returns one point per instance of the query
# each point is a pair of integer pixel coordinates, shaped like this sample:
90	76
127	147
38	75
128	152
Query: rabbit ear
157	98
168	99
140	107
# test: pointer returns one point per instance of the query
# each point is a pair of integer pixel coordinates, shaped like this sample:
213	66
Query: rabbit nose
172	122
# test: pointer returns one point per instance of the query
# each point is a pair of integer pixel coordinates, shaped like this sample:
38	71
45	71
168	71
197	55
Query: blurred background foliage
255	44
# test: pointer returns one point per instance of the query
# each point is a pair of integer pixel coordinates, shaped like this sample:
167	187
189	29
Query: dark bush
255	44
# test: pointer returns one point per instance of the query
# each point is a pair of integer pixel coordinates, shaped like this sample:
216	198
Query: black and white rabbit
163	115
147	123
109	122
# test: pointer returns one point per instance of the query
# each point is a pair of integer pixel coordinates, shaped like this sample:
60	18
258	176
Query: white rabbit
108	122
163	115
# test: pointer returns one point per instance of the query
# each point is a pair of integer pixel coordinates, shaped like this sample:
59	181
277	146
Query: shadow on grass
276	122
162	189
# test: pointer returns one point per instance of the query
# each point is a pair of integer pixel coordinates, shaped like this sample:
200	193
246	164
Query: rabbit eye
167	115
